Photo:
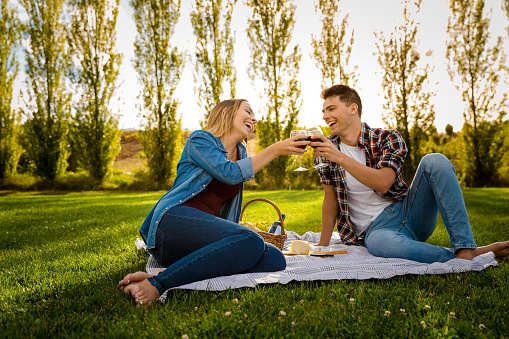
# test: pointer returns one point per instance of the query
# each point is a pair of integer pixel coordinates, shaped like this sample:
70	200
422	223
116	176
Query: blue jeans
195	245
401	230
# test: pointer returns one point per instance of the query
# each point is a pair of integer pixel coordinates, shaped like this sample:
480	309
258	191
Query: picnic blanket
358	264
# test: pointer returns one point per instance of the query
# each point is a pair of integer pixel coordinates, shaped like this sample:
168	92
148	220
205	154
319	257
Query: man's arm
379	180
330	210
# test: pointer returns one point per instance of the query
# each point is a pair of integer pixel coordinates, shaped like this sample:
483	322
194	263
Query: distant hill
130	158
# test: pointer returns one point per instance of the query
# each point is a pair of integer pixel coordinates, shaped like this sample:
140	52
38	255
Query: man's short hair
347	95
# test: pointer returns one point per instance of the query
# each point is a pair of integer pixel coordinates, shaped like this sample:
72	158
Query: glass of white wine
317	130
304	137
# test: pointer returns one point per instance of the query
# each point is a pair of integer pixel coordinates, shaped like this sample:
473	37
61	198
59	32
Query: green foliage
214	52
10	38
48	108
303	180
92	39
476	67
490	143
159	67
407	105
332	50
163	147
60	266
270	31
449	129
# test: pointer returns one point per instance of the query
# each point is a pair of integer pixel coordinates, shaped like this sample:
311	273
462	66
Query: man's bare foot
466	253
500	249
143	292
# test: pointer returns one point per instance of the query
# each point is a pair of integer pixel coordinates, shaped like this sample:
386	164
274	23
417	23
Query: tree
10	37
48	106
214	52
475	68
332	50
407	104
270	32
159	67
96	64
449	130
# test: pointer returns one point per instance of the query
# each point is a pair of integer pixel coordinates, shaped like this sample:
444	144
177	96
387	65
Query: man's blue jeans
195	245
401	230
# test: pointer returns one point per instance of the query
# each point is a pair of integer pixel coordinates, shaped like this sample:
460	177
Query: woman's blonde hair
222	116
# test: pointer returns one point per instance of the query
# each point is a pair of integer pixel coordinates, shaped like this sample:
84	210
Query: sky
365	17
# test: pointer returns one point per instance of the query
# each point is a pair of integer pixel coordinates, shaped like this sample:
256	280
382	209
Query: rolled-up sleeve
246	167
204	152
325	175
394	152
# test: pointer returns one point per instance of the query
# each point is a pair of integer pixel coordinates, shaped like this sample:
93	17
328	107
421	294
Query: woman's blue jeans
195	245
401	230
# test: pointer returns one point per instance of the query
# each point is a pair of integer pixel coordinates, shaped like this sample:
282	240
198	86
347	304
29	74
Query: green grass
62	256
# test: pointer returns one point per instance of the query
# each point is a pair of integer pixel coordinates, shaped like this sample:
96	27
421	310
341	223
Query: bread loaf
300	247
251	226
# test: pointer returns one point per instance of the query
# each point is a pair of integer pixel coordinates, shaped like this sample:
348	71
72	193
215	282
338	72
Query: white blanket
356	264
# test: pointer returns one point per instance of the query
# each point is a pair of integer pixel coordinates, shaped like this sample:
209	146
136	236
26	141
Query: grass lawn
62	256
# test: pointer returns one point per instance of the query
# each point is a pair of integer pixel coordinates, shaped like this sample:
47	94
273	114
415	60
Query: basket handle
269	202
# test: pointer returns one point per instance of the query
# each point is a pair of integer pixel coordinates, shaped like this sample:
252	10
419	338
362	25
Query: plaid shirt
383	148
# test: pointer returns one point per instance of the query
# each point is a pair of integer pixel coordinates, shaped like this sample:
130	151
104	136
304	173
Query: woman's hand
292	146
288	146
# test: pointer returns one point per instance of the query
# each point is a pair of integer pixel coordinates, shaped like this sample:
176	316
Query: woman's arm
283	147
203	151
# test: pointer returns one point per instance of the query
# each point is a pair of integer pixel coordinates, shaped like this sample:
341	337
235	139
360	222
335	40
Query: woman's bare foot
137	277
143	292
133	277
500	249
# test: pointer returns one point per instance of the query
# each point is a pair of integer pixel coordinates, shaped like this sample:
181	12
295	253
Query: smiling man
366	197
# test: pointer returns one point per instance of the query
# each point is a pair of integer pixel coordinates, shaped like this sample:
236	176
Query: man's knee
436	161
386	244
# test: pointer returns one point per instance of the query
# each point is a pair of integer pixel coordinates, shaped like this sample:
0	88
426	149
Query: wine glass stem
299	162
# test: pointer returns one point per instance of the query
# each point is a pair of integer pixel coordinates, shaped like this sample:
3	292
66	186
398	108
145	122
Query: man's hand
379	180
325	148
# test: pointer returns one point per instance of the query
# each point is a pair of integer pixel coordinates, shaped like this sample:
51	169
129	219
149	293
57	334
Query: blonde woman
193	230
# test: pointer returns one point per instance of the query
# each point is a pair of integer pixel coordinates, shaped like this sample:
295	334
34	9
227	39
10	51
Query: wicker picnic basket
274	239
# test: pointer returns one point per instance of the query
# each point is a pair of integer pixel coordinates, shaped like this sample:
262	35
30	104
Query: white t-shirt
364	204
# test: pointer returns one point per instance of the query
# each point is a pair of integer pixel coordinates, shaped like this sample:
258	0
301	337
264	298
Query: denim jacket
202	159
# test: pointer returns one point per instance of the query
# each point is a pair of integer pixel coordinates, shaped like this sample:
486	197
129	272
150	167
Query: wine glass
317	130
304	134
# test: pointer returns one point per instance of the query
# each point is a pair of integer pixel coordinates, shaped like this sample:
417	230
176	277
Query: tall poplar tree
96	63
332	49
505	128
214	67
159	66
475	68
48	103
10	38
407	106
270	32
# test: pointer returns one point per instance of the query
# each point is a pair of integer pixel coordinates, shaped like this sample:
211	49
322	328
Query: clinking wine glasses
316	130
304	137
